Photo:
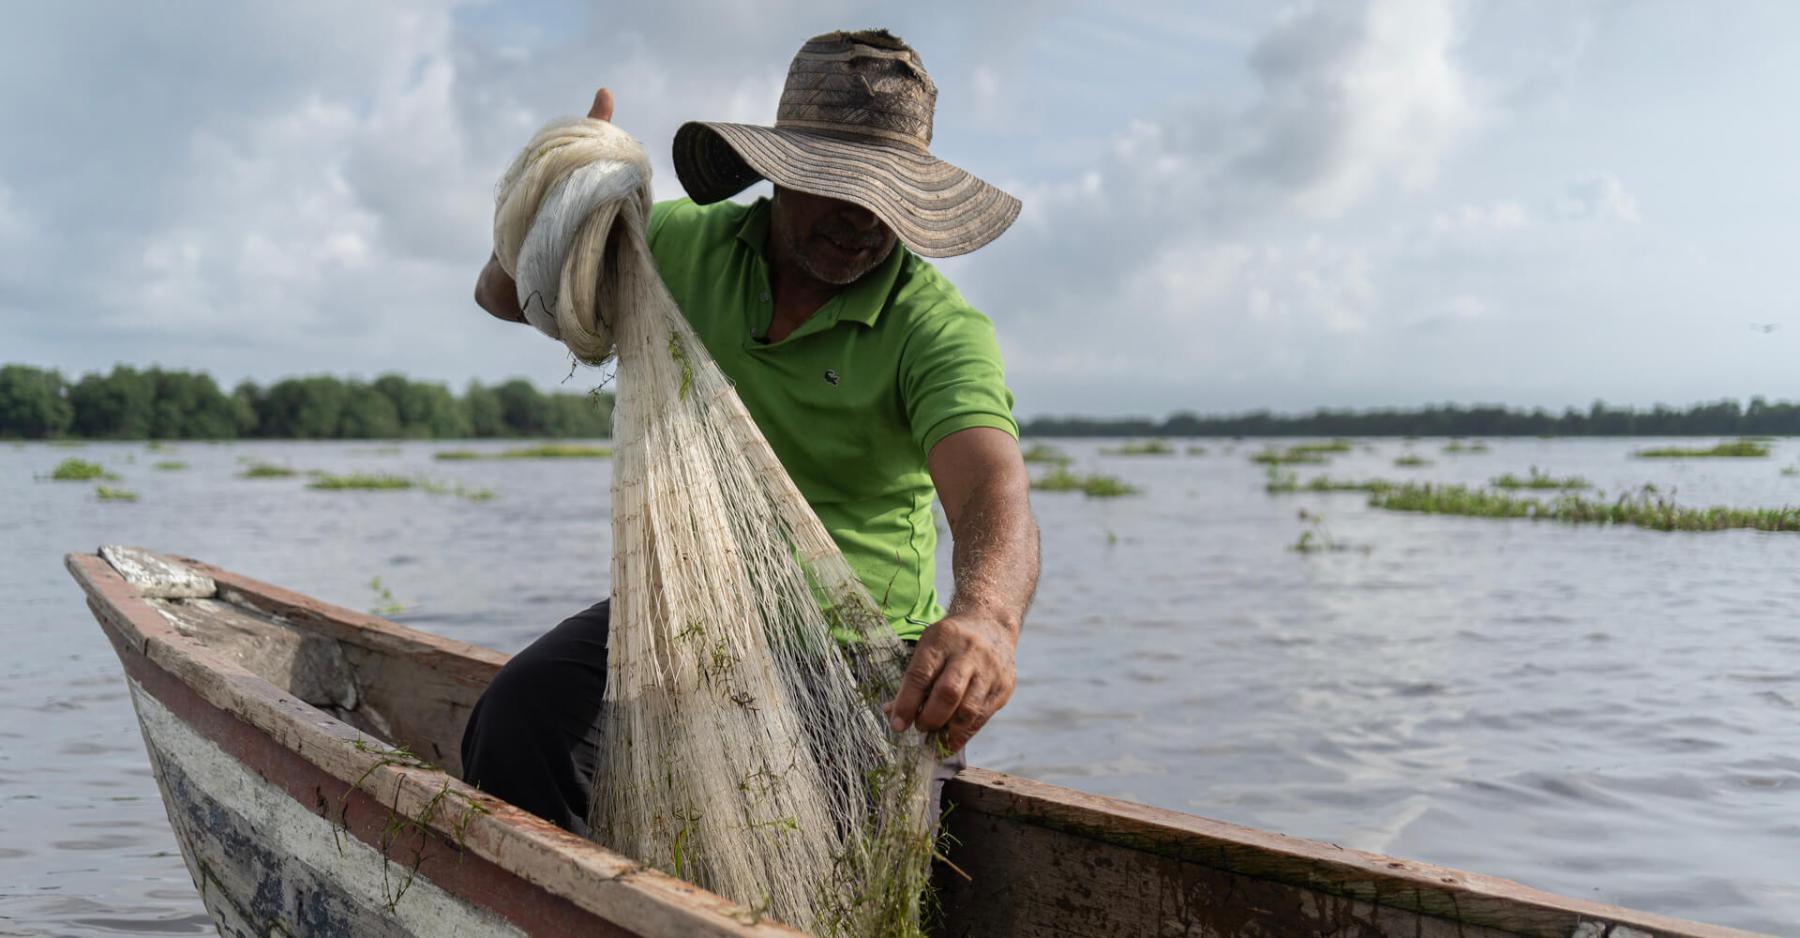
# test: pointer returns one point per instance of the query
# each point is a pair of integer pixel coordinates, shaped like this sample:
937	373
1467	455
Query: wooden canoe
307	756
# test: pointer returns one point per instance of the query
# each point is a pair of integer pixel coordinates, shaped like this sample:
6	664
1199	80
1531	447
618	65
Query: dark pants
533	738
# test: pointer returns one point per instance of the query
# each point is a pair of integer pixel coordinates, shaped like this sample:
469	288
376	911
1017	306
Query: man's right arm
495	291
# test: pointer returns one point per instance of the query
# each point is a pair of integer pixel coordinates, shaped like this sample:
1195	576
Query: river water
1606	713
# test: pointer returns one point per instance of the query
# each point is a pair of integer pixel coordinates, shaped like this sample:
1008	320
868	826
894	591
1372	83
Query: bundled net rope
743	746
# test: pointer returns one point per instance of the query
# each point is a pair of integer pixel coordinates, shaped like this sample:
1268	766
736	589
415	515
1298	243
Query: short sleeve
659	216
951	377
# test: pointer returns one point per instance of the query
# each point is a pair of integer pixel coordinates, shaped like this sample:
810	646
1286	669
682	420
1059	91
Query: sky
1227	206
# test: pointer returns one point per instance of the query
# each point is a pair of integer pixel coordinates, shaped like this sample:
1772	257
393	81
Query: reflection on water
1610	714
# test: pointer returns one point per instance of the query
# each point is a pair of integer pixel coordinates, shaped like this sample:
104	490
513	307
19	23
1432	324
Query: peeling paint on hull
266	865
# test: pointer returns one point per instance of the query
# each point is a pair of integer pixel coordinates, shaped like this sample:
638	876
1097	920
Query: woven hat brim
936	209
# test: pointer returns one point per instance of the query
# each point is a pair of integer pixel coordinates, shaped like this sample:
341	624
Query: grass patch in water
362	481
79	470
1643	509
1094	485
1733	449
107	493
1287	483
458	490
543	451
1045	453
263	470
1141	448
1196	451
169	465
1410	461
1539	480
557	451
1790	470
1329	446
1458	447
1289	457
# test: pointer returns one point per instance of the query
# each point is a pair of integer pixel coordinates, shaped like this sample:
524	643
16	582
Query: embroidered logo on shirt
832	377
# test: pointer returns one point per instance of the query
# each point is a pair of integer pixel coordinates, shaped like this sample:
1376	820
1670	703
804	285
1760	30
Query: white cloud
1354	94
1600	197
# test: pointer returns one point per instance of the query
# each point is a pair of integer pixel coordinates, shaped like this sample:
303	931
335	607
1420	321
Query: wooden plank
613	887
1107	830
154	575
310	667
1026	880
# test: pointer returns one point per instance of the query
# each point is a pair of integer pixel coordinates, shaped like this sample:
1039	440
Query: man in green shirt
875	383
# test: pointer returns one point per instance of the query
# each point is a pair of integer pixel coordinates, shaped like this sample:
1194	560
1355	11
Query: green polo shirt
855	398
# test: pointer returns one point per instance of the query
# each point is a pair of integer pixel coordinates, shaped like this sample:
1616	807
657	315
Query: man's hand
495	291
960	675
962	672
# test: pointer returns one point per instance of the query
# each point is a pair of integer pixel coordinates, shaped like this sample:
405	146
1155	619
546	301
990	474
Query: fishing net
743	745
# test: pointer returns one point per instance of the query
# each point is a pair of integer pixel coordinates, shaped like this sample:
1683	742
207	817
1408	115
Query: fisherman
874	382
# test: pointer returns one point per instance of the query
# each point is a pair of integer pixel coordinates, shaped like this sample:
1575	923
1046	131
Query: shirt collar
863	300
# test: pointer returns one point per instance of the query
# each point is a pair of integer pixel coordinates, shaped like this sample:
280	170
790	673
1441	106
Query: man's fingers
920	673
602	109
971	713
946	695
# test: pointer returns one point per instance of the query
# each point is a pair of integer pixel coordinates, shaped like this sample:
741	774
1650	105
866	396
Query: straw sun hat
854	123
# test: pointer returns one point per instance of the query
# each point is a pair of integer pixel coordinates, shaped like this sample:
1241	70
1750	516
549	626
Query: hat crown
868	84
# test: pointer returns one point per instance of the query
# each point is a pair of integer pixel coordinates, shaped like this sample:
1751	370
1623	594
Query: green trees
128	403
1719	418
33	404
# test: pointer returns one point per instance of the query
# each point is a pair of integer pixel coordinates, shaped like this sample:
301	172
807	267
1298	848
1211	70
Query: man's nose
858	217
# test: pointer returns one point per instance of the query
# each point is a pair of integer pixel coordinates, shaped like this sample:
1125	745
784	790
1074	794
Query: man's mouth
851	246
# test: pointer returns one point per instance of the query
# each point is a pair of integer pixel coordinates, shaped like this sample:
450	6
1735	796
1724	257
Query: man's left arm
961	674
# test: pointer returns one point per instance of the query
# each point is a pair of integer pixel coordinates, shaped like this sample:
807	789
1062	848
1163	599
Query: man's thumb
603	106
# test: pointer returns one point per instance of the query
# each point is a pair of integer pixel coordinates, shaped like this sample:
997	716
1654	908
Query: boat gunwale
1445	893
599	881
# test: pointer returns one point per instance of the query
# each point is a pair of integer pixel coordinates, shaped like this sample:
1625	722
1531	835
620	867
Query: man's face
830	240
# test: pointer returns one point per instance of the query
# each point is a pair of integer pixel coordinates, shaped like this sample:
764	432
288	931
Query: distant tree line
154	404
1721	418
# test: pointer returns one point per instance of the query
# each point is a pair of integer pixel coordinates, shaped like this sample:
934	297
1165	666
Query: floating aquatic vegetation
372	481
385	604
1645	508
169	465
1731	449
1539	480
263	470
79	470
557	451
1458	447
1411	461
1044	453
1289	457
1287	483
107	493
541	451
458	490
1316	538
1196	451
1141	448
1329	446
1094	485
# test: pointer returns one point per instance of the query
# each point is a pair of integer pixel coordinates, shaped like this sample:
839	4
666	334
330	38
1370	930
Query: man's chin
838	273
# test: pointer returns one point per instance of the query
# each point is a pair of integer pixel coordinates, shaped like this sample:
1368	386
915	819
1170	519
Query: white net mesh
743	745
